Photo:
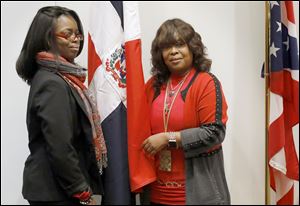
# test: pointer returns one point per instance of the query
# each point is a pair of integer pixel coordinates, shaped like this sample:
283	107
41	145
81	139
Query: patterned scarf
75	76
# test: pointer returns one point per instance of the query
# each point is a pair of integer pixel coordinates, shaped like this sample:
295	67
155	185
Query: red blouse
160	193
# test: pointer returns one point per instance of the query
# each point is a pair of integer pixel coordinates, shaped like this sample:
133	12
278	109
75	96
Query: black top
62	159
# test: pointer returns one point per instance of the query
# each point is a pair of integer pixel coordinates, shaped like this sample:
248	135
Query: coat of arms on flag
115	65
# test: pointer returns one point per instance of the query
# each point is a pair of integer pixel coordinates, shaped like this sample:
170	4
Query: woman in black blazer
66	143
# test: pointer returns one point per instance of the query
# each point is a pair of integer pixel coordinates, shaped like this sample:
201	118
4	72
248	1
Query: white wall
233	33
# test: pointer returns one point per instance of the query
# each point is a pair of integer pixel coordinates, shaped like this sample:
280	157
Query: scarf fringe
102	163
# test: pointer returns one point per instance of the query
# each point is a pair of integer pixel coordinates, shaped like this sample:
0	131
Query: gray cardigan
205	177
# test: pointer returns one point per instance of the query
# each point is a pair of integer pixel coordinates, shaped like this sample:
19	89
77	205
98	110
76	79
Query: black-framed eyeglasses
71	36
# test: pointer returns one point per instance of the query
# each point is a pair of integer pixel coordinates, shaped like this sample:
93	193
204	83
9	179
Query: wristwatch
172	140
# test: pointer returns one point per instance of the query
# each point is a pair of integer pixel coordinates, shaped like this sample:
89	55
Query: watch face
172	143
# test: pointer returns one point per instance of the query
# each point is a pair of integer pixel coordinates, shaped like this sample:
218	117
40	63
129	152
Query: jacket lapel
79	101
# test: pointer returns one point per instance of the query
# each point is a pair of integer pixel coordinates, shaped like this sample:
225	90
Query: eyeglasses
71	36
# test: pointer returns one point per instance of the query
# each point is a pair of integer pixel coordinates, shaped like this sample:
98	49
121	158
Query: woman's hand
155	143
93	202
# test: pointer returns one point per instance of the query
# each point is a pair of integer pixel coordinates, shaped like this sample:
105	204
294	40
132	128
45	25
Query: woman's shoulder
206	77
205	81
149	88
149	83
44	78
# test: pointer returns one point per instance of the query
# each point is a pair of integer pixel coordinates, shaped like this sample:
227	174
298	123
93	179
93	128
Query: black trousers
70	202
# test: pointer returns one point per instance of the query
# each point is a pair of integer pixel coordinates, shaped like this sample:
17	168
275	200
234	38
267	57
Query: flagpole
267	100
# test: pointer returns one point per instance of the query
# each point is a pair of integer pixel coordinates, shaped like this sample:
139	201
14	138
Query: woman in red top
188	117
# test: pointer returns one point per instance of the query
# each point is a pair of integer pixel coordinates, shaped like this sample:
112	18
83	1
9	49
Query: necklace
168	107
172	90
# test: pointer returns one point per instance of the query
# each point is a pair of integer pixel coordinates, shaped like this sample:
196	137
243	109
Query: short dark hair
166	36
40	37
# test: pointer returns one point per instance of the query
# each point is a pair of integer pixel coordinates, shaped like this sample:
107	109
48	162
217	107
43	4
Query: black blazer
62	158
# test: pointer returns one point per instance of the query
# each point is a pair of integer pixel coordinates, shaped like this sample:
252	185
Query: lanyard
167	109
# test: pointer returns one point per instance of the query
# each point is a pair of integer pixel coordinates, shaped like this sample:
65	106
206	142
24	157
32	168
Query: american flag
284	101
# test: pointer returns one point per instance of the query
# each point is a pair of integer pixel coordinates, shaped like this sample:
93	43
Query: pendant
166	109
171	93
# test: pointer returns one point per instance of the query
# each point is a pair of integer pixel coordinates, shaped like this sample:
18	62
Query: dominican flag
116	78
284	101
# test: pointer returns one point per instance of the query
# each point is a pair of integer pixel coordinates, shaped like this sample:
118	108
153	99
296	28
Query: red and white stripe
284	115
